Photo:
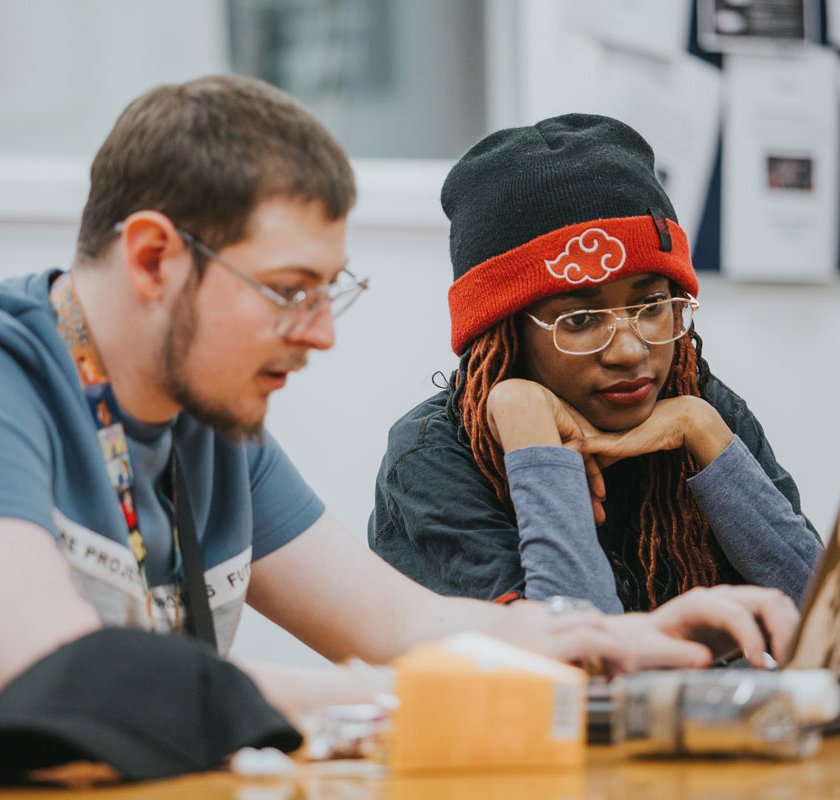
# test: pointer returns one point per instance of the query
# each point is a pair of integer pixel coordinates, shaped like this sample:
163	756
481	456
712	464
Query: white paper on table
832	11
779	205
650	27
675	105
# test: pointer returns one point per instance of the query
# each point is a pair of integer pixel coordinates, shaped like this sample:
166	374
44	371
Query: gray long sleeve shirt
756	527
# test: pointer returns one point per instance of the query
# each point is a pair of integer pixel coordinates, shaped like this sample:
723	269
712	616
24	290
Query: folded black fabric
151	706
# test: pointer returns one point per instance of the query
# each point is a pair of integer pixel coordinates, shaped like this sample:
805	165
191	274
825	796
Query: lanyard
73	329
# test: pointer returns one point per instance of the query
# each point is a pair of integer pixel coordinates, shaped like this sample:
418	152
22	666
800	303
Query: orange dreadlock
672	527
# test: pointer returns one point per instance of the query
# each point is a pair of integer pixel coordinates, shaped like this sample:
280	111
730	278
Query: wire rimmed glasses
587	331
299	305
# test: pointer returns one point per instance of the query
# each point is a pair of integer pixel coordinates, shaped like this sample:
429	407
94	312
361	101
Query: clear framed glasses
584	332
299	305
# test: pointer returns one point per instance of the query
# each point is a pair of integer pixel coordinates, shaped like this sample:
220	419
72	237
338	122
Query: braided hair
672	527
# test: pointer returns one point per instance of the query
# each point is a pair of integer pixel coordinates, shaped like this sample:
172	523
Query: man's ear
151	249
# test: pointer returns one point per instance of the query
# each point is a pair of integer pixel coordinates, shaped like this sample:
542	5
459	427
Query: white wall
68	67
774	345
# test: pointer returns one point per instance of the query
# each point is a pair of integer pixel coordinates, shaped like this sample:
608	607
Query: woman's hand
684	421
524	413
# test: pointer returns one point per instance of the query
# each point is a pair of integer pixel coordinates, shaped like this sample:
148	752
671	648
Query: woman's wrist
520	416
707	435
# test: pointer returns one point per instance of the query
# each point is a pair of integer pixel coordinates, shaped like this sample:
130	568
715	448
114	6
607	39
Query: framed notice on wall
755	26
675	105
780	167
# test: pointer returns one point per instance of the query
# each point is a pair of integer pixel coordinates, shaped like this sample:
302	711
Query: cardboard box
471	701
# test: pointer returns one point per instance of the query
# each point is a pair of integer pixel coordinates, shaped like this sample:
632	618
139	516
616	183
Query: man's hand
579	638
524	413
691	630
684	421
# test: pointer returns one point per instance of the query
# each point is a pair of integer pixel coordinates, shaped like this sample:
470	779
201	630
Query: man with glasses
138	486
582	447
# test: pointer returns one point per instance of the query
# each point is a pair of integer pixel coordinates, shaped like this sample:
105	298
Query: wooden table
606	776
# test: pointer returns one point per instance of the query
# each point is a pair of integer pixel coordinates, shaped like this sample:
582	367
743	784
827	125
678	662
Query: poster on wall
756	26
649	27
779	203
676	106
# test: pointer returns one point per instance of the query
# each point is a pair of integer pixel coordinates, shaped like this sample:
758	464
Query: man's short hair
206	153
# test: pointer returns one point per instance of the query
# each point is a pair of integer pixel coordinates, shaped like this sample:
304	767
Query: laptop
816	644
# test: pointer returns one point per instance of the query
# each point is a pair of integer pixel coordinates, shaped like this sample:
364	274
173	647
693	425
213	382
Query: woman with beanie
581	397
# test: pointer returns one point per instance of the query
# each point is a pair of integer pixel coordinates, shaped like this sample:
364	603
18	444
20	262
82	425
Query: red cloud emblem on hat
592	256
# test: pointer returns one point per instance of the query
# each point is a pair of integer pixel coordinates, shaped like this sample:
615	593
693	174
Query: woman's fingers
567	425
597	488
594	478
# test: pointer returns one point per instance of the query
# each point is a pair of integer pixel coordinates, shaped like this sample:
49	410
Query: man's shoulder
22	293
33	359
27	325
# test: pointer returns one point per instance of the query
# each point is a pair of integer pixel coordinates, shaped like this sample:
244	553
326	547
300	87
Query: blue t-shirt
247	500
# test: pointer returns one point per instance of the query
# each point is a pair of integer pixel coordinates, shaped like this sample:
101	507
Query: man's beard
176	349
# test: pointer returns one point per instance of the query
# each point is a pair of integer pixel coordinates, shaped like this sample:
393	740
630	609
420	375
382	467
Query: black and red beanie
548	208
